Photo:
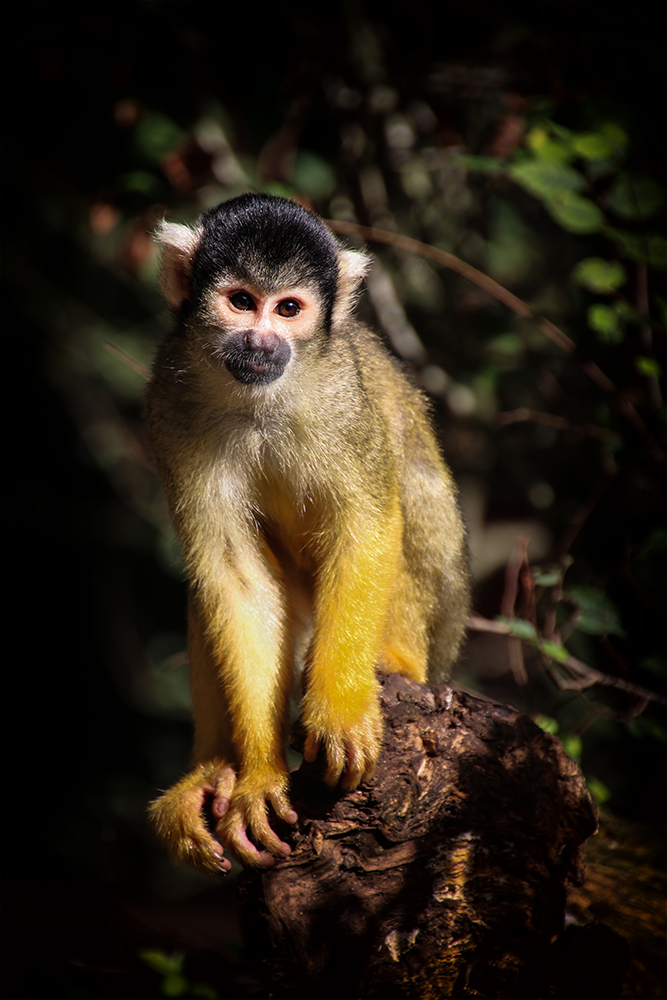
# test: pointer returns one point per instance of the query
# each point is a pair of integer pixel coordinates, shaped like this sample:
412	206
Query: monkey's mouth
253	370
254	365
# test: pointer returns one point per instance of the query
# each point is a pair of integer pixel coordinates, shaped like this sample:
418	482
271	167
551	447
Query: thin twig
583	676
127	359
514	303
524	414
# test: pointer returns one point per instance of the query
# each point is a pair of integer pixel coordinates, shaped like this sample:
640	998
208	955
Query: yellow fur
323	542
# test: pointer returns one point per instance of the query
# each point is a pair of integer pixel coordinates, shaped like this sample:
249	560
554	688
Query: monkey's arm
240	675
341	711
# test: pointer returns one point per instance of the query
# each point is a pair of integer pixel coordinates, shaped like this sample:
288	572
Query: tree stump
445	876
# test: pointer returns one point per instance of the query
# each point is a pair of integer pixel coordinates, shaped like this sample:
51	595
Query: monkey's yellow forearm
341	706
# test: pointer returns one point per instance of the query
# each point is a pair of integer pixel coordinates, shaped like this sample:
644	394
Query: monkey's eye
288	308
242	301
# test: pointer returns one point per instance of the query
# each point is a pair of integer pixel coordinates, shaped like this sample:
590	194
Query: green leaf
174	985
606	323
597	613
616	136
546	179
547	576
160	962
598	790
541	143
561	131
482	164
313	175
509	344
651	250
648	367
574	212
553	651
519	627
598	275
625	312
546	723
636	197
593	146
572	745
156	135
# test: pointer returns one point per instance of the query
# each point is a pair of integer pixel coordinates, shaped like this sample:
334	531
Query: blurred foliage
526	149
173	980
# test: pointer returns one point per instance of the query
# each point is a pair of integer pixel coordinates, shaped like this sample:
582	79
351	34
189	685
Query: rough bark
443	877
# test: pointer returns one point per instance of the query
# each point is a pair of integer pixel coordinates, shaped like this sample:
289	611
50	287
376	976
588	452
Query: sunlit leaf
572	745
554	651
540	142
598	790
161	962
519	627
575	213
546	179
546	723
592	146
547	576
598	275
648	367
606	323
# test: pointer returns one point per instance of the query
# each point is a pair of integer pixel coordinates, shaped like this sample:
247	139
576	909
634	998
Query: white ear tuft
352	268
178	247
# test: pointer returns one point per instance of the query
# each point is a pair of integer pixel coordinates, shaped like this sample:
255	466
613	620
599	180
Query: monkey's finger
238	842
311	748
223	791
336	758
358	770
282	807
179	821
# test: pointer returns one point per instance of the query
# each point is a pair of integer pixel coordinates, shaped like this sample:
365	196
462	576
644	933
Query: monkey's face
258	331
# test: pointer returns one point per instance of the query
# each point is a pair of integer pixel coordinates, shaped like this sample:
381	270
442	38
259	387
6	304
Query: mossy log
445	876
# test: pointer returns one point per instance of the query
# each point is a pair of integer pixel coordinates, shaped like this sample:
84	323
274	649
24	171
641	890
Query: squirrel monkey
318	521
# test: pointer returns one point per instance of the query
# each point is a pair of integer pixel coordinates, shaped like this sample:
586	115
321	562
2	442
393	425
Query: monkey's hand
178	816
239	807
246	815
351	742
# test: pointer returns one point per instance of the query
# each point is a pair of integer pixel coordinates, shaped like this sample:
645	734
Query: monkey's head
263	276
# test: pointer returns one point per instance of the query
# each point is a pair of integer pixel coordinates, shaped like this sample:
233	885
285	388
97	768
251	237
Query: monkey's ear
178	248
352	267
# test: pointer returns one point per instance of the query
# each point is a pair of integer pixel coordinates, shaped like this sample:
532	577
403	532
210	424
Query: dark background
105	116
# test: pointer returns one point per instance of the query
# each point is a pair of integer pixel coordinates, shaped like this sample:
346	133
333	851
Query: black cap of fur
269	241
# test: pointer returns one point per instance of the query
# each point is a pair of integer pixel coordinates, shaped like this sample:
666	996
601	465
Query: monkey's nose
258	341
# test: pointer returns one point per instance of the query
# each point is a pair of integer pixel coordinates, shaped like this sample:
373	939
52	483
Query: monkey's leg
341	711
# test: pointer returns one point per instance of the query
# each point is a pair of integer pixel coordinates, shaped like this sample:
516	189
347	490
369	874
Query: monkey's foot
247	816
178	816
351	750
